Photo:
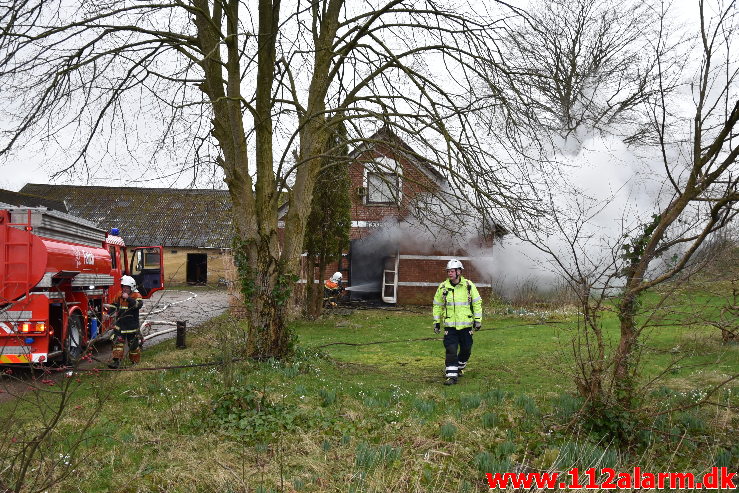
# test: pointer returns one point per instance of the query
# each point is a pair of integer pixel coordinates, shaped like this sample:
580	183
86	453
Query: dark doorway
366	263
197	268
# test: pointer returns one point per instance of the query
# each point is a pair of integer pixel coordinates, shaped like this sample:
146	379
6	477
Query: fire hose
147	324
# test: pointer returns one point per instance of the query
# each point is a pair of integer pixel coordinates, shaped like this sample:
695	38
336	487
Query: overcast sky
35	163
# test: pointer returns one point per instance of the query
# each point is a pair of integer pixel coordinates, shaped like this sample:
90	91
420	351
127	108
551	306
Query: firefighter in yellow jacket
126	308
457	308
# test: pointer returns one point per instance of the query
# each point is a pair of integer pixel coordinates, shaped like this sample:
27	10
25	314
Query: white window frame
382	166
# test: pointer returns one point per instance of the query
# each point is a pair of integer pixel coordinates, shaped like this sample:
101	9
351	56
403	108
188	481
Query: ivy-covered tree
327	229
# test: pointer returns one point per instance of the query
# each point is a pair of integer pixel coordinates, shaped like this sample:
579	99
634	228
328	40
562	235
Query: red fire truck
56	272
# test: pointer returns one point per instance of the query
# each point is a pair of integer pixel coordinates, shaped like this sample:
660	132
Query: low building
193	226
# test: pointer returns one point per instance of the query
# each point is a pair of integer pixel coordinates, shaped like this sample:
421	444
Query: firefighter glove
437	328
476	325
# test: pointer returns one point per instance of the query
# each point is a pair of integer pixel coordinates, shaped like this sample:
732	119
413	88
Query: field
362	408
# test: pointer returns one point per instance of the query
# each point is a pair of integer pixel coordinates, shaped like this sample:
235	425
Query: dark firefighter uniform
127	327
331	292
456	309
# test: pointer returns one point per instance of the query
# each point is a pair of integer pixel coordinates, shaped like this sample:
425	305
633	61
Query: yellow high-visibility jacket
457	306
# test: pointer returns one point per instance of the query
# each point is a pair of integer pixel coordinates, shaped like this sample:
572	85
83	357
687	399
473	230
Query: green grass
373	417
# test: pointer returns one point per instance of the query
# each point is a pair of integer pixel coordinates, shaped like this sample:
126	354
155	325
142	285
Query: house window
383	188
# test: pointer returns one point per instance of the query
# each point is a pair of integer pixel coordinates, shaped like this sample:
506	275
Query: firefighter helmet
454	264
128	281
337	277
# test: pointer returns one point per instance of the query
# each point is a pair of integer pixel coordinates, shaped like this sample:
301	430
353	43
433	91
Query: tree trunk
314	298
623	371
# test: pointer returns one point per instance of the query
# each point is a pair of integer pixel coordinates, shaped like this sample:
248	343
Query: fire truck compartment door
146	268
23	258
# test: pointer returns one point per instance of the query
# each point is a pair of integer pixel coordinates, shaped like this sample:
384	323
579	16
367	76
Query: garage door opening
197	268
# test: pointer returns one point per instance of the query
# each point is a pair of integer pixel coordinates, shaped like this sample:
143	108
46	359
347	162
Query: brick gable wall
413	182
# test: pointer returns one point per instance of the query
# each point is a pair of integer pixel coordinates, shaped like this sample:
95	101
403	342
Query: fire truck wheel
73	342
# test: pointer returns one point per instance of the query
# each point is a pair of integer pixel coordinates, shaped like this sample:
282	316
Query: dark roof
150	216
28	200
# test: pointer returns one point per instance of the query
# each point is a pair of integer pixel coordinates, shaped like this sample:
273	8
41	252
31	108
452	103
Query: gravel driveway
194	305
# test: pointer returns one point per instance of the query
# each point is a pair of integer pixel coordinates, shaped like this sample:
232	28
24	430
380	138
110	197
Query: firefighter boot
135	356
450	381
118	349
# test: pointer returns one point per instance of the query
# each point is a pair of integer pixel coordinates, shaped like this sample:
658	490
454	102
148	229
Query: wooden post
181	330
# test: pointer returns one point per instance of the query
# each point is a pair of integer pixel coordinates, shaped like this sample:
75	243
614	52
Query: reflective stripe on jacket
127	311
457	306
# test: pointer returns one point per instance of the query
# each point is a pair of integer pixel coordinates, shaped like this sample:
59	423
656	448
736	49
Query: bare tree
578	66
244	86
610	74
704	187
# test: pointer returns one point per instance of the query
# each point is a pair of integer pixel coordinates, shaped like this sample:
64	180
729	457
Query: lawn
362	408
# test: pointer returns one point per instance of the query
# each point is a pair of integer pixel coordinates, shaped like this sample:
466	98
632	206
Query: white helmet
337	277
454	264
128	281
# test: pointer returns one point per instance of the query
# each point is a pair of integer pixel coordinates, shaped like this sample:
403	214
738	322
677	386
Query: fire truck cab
56	273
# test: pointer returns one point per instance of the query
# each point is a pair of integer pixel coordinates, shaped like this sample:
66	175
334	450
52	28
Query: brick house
392	256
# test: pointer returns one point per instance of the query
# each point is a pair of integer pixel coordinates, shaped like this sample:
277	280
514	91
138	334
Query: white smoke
601	193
